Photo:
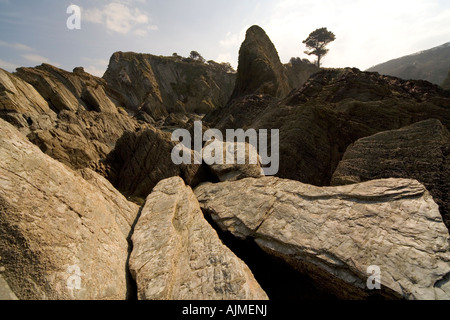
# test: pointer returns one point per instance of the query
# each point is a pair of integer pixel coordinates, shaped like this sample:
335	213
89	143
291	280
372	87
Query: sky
367	32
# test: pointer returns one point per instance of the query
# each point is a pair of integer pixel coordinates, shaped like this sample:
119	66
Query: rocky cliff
160	85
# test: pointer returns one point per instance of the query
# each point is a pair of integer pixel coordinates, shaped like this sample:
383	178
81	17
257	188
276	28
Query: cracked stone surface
420	151
335	233
177	255
62	237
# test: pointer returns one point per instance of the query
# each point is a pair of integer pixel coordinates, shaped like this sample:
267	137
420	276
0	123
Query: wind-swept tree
317	41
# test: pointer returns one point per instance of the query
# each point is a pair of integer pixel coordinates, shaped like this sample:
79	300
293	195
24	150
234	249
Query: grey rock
334	234
420	151
177	255
61	237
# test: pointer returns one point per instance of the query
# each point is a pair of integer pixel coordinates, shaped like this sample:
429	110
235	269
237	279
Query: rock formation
80	139
334	234
420	151
22	105
238	160
260	70
161	85
318	121
68	115
141	159
177	255
69	90
62	237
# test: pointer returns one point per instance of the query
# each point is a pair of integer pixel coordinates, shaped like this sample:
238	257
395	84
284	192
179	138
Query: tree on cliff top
317	41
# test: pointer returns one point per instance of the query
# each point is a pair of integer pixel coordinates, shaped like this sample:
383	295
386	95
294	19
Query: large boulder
260	70
238	160
420	151
177	255
335	234
61	237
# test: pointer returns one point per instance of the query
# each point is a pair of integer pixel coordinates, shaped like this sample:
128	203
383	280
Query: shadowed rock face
161	85
141	159
260	70
420	151
56	226
334	234
177	255
335	108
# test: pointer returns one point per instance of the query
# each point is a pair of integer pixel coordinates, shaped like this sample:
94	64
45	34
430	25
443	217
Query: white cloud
37	59
118	17
8	66
96	67
17	46
368	32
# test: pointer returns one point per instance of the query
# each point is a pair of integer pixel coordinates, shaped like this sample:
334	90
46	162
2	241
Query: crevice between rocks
132	291
276	278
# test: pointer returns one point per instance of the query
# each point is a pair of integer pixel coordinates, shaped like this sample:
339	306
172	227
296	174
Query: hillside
431	65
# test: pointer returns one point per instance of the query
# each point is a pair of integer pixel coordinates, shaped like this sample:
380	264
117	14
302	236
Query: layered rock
141	159
62	237
335	108
72	91
335	234
260	70
177	255
80	139
22	105
420	151
161	85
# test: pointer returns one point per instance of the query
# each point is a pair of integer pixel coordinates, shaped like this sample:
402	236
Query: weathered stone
18	96
69	90
177	255
61	237
260	70
335	108
5	291
162	85
82	138
243	158
141	159
420	151
334	234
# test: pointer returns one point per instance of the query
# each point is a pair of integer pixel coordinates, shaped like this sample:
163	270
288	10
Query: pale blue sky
368	32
